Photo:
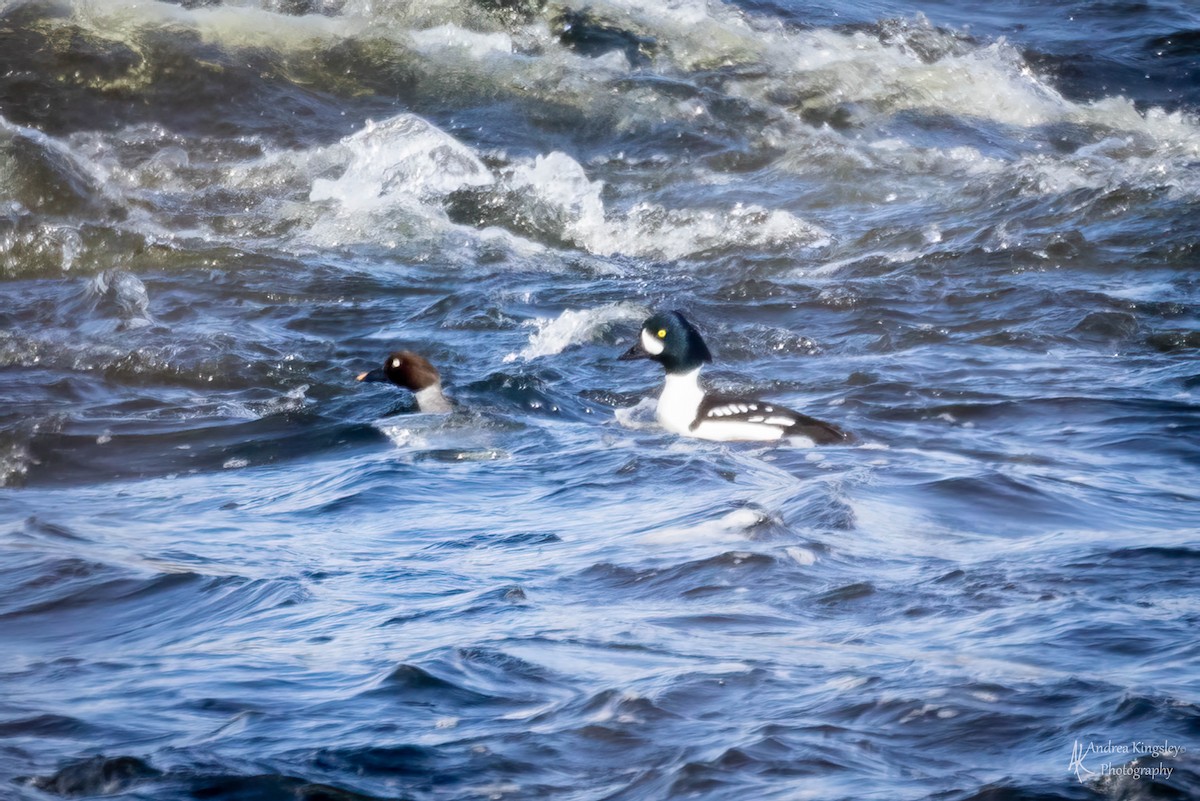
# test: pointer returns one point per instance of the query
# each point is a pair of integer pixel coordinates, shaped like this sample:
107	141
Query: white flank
735	430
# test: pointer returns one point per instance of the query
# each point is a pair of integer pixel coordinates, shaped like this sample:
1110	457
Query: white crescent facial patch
651	343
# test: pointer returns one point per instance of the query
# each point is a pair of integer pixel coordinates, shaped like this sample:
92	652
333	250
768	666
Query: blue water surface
968	235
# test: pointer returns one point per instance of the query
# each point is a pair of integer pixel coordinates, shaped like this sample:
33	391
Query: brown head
405	369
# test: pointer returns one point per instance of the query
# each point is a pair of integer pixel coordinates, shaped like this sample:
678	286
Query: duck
413	372
686	408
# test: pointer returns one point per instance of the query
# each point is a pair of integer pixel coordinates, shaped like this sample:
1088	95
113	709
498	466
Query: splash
734	527
397	160
554	197
553	336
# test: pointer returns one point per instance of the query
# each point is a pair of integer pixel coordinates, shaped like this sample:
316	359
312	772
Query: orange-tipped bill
373	375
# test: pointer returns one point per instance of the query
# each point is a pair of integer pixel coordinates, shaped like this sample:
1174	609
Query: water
968	236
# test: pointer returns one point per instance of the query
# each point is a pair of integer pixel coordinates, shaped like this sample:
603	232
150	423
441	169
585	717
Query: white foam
574	327
801	556
732	525
14	463
386	183
655	232
702	34
229	25
640	416
992	82
403	437
558	196
400	158
452	37
69	158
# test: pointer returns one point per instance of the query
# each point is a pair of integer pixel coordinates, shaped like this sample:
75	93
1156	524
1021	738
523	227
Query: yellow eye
662	333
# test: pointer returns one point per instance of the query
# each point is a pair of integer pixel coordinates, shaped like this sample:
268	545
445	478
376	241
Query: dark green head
669	339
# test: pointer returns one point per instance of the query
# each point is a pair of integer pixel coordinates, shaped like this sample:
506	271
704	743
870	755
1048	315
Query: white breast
679	402
431	400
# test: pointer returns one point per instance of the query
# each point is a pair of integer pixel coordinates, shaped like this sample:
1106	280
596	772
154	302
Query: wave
873	110
574	327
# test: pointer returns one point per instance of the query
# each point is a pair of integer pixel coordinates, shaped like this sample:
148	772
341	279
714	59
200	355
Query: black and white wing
722	417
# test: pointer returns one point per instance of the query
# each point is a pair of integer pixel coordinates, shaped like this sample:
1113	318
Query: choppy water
969	236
